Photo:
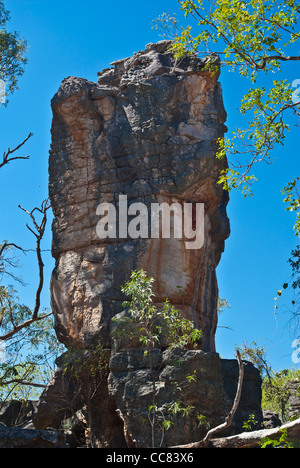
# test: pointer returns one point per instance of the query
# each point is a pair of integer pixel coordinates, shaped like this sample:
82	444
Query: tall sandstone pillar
148	129
146	133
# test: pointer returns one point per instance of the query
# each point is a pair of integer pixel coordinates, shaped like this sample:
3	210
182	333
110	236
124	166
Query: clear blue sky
80	38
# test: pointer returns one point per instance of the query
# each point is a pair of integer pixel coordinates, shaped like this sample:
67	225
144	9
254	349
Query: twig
40	228
6	156
38	233
20	381
265	60
7	245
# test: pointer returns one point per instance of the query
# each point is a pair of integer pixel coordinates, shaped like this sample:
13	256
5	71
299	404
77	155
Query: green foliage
251	37
257	355
87	369
275	393
267	442
167	424
247	30
28	357
12	53
154	323
203	421
294	261
292	199
223	304
267	129
250	424
177	330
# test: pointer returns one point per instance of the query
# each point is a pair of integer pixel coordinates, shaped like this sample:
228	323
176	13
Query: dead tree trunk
253	439
245	439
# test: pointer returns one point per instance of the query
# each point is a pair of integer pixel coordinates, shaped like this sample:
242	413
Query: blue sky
80	38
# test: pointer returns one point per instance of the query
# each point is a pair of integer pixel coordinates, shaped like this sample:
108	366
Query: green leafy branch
251	36
154	323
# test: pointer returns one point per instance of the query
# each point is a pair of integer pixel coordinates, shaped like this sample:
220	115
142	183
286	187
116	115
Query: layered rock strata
145	134
194	392
147	130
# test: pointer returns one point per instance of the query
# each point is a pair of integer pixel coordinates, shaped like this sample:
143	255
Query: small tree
12	54
154	323
253	37
275	393
27	335
27	358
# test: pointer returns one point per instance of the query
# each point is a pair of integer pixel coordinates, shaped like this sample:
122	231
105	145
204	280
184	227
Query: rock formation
148	130
293	388
145	133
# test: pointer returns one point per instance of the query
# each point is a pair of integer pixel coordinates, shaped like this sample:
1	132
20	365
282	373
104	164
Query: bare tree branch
9	261
23	382
7	156
22	325
7	245
212	432
269	58
255	438
38	231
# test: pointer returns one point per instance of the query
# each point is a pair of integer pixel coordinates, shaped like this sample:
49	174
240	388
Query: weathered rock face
192	391
80	383
145	133
17	413
200	386
271	419
294	398
16	437
147	130
188	394
250	402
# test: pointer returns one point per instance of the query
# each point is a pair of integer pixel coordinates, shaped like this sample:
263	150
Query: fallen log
252	439
291	430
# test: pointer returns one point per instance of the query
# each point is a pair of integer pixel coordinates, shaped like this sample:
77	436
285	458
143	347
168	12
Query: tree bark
252	439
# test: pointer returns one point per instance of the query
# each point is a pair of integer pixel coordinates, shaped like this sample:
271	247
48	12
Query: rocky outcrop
250	402
17	437
271	419
188	395
80	383
293	388
193	392
17	413
17	429
146	134
147	130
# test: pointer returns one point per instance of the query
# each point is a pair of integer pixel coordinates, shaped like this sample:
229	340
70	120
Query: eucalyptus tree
256	39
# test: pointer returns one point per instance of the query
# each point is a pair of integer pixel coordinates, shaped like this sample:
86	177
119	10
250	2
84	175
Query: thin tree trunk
206	441
253	439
